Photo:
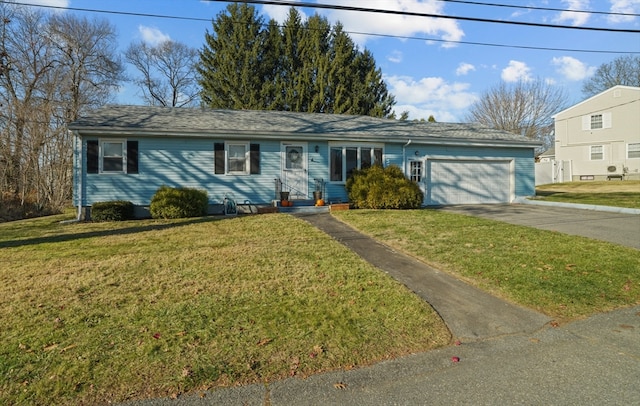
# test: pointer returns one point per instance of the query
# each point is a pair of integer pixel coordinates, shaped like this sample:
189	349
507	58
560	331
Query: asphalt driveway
617	228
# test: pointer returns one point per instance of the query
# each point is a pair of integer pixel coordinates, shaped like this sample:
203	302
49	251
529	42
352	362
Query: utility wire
415	14
477	3
147	15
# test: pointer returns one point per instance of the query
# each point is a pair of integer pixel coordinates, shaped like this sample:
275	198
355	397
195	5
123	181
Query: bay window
343	160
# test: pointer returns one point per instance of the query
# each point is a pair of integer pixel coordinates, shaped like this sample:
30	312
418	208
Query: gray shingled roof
147	121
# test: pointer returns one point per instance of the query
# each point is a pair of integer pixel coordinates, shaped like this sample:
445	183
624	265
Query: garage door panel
467	182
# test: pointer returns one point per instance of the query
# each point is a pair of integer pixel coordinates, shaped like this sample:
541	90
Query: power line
477	3
147	15
415	14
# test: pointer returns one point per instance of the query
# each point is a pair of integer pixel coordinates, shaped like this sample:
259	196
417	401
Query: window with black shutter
132	156
254	159
93	156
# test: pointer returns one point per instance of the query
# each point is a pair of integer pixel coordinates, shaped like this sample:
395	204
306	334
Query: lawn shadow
104	233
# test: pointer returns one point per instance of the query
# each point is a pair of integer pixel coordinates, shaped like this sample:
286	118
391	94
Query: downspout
404	157
80	171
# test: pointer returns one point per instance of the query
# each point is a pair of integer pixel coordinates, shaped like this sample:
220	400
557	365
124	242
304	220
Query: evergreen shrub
115	210
173	203
383	188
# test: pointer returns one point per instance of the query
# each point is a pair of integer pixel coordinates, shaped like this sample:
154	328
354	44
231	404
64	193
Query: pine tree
230	68
304	66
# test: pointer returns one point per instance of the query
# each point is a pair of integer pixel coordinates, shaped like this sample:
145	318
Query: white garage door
467	182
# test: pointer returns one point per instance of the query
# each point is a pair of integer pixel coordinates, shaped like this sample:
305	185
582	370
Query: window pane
294	158
596	153
377	156
112	164
416	171
237	158
365	158
336	164
112	149
352	161
596	121
634	151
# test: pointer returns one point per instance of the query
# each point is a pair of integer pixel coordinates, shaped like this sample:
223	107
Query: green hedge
383	188
173	203
116	210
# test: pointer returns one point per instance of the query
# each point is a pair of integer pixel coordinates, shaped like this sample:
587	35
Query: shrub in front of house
173	203
383	188
116	210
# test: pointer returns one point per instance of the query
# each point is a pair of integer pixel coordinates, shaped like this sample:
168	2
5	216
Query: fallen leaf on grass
264	341
569	267
51	347
340	385
156	336
455	359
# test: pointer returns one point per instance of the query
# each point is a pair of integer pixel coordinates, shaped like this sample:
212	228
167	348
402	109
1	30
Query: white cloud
464	68
152	36
386	24
280	13
395	57
430	96
572	68
516	71
626	7
571	17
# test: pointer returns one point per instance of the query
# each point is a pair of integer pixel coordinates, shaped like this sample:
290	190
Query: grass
566	277
603	193
105	312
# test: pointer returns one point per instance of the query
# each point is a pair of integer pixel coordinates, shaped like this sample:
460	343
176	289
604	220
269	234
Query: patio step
302	206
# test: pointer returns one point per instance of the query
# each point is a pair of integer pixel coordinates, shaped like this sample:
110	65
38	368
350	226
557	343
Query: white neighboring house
599	138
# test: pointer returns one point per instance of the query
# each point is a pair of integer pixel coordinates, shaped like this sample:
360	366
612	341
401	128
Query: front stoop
339	206
301	206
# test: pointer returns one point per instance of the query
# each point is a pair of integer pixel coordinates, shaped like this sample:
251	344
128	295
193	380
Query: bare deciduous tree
167	73
52	67
521	108
624	70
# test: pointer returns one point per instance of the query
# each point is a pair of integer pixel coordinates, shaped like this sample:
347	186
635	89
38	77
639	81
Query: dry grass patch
114	311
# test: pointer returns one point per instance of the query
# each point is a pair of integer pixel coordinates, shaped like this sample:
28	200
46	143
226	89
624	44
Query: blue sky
427	76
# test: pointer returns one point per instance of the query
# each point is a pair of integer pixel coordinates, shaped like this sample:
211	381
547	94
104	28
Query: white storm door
294	170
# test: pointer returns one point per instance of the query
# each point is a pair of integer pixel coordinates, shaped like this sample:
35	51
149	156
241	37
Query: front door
294	170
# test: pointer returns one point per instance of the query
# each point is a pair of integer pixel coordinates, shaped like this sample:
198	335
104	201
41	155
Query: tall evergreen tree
230	68
305	66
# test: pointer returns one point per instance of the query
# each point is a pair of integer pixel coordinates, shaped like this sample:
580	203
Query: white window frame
635	149
588	121
227	161
101	166
359	147
416	170
591	152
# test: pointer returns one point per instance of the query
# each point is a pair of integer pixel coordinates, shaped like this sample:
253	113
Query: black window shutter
132	156
92	156
218	157
254	159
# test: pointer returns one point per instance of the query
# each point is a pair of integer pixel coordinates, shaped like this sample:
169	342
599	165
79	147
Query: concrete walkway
470	313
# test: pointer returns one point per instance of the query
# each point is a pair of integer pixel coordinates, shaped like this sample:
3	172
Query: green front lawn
602	193
98	312
564	276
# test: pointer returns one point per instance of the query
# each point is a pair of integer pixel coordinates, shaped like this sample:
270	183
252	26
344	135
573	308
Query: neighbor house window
345	159
633	150
597	153
596	121
237	158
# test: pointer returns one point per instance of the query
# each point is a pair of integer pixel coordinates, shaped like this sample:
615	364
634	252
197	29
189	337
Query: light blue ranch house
250	157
